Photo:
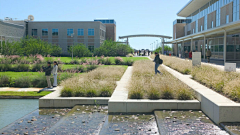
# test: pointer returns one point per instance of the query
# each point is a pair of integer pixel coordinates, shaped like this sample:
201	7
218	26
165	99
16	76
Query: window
55	32
80	32
193	31
227	19
90	32
44	32
69	32
201	28
91	48
212	24
34	32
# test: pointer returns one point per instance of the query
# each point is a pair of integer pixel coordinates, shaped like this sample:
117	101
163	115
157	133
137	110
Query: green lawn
69	59
28	93
15	75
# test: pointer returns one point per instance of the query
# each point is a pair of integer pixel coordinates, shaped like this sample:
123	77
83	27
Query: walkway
25	89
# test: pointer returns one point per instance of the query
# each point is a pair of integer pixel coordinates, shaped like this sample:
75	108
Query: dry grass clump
183	66
100	82
226	83
145	84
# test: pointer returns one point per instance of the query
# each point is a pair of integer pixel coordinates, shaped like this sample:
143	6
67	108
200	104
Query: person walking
157	61
209	54
47	71
54	72
190	55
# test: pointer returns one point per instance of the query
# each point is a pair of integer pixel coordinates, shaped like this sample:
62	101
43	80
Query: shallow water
94	120
13	109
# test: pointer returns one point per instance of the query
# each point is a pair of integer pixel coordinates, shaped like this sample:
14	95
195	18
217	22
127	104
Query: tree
79	50
111	48
166	48
56	50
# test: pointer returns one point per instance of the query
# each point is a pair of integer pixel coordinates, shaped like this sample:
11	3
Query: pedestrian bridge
148	35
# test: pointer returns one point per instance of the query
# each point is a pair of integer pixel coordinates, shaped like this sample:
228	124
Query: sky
131	16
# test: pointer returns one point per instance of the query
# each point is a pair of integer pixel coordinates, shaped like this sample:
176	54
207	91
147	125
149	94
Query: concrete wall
11	31
110	31
62	39
179	30
211	17
226	10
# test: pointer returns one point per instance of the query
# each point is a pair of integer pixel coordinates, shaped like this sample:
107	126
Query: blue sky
131	16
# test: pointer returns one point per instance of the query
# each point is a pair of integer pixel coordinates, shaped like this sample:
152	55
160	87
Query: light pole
154	45
72	44
157	43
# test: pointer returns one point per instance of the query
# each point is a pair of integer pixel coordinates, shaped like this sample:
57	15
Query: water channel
24	117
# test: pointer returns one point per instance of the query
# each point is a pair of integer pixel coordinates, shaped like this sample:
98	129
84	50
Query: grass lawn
29	93
15	75
69	59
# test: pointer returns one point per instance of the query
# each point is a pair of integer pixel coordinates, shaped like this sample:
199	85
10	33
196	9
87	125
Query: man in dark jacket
157	61
48	71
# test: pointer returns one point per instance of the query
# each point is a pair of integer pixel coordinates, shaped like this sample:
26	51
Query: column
127	40
191	44
204	47
225	46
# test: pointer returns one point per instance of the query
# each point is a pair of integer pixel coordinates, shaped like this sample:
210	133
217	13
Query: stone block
196	59
230	67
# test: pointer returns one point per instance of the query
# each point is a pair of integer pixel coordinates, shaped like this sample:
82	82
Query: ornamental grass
145	84
100	82
226	83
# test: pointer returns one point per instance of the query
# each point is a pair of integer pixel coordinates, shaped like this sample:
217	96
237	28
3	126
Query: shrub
107	61
91	67
91	92
137	94
128	62
21	68
37	67
4	81
118	61
106	90
6	67
23	82
40	81
66	92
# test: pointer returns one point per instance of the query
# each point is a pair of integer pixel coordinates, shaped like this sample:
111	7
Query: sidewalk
26	89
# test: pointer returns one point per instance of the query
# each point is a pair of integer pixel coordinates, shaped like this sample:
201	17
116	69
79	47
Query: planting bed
100	82
225	83
146	85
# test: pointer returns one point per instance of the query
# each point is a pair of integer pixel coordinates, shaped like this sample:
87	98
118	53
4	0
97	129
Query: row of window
80	32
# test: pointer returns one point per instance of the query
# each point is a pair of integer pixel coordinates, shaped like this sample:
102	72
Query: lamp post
157	43
154	45
72	44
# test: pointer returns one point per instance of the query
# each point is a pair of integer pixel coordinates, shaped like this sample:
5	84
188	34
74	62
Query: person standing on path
190	55
47	71
157	61
54	72
209	54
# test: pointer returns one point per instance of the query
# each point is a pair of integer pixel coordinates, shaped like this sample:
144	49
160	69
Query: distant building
110	28
62	33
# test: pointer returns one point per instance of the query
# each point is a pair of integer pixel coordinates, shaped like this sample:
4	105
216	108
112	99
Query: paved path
25	89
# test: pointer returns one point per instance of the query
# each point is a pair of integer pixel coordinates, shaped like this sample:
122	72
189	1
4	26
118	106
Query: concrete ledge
144	106
20	97
53	100
214	105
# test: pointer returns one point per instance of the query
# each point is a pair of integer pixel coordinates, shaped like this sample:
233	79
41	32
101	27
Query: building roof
191	7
